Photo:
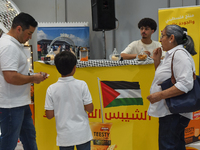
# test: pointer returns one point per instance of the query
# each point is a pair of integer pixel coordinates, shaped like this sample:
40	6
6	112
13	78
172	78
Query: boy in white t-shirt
68	100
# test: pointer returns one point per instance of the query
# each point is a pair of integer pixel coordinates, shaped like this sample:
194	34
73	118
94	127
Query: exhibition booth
128	127
116	126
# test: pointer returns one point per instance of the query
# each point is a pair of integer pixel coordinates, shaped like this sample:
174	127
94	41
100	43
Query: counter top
106	63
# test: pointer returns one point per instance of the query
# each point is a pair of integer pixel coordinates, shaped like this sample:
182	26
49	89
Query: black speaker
103	15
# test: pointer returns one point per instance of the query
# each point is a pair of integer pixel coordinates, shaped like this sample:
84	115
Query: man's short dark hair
65	62
147	22
24	20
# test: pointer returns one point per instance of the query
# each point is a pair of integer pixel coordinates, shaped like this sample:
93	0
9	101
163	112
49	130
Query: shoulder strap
173	80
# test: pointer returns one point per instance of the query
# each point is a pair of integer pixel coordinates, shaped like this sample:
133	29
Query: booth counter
131	128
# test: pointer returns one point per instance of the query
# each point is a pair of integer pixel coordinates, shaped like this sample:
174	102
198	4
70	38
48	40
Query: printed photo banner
187	17
53	38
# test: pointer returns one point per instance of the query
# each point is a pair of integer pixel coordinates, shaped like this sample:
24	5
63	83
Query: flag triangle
108	93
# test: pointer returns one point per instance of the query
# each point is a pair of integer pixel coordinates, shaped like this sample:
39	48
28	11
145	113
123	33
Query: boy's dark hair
148	22
65	62
24	20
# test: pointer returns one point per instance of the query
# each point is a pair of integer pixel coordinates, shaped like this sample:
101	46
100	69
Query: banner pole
100	100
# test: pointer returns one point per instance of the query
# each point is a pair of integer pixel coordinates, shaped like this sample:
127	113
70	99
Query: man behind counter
147	27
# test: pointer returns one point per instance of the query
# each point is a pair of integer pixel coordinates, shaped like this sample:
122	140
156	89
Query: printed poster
187	17
61	37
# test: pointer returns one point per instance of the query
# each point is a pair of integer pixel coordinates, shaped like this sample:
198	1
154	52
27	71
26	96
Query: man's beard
144	37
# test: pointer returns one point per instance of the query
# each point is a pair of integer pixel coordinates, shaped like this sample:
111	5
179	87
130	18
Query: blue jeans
85	146
171	132
17	123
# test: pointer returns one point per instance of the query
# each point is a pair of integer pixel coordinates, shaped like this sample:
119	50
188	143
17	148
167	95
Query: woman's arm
183	74
171	92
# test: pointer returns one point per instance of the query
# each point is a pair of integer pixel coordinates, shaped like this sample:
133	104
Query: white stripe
129	93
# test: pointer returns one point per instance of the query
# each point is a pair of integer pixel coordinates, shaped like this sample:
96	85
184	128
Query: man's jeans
85	146
17	123
171	132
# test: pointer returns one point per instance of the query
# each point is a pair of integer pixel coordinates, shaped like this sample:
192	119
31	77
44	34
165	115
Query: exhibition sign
187	17
51	37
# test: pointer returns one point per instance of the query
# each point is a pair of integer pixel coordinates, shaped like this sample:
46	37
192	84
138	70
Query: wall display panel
48	33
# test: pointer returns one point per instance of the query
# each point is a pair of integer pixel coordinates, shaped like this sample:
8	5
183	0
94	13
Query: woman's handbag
187	102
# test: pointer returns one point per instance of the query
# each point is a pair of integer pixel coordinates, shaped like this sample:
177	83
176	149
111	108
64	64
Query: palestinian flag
120	93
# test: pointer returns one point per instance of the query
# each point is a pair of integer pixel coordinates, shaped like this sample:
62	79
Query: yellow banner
187	17
124	127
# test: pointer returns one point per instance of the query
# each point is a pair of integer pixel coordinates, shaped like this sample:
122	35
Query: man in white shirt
15	113
147	27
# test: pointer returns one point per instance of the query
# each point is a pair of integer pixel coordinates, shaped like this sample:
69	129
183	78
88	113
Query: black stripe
122	84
